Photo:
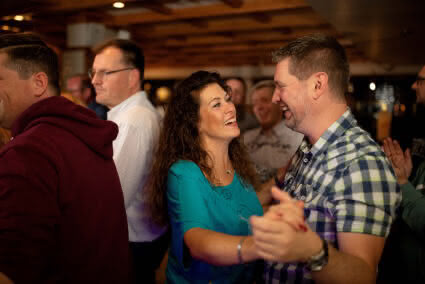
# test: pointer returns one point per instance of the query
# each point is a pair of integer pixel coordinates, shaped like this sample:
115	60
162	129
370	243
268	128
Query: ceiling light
118	5
18	18
372	86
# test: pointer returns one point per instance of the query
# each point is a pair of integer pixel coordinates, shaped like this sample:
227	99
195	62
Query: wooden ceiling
184	33
179	33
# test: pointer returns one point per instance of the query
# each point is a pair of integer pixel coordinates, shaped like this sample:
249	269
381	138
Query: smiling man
117	76
271	145
339	174
57	219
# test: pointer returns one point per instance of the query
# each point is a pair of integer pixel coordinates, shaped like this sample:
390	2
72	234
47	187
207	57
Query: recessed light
118	5
18	18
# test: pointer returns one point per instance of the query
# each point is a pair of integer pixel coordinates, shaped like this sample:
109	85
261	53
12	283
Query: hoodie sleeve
29	214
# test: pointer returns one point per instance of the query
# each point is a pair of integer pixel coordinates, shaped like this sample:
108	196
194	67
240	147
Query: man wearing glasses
419	86
117	76
418	143
403	258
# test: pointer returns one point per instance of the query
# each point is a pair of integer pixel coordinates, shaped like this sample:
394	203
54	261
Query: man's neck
268	129
324	120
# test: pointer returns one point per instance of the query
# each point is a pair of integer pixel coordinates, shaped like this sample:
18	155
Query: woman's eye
216	105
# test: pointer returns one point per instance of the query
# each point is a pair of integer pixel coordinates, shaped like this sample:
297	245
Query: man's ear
39	83
134	77
320	84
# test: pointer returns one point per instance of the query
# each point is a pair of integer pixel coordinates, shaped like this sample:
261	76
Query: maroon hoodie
62	216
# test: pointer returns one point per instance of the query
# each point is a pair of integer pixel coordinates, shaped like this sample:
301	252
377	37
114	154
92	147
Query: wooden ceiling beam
299	19
197	23
237	47
66	5
213	10
157	7
233	3
262	18
243	37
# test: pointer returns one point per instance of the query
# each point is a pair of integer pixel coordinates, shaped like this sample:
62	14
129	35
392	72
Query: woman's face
217	115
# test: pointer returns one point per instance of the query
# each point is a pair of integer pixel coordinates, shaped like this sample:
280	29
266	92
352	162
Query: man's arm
29	214
277	240
354	262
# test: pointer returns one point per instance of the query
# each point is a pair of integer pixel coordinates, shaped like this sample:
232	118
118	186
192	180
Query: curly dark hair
180	140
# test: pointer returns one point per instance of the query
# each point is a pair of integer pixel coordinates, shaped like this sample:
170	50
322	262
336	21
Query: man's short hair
241	80
28	54
132	53
260	85
317	53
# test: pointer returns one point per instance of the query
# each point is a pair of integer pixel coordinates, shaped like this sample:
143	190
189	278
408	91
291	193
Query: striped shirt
347	185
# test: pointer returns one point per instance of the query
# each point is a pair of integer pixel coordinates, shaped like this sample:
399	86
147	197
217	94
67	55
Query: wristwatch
318	261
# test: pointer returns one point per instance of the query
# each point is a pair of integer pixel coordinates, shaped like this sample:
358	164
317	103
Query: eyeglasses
419	79
102	73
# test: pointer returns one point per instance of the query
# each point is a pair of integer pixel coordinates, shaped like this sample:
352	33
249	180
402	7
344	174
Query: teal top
194	203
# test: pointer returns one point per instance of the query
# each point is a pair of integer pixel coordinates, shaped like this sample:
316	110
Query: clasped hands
281	234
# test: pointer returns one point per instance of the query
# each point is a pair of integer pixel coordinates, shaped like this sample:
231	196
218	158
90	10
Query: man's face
15	94
291	95
111	89
267	113
419	87
238	91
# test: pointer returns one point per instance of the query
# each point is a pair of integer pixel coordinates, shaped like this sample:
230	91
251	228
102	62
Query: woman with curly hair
202	186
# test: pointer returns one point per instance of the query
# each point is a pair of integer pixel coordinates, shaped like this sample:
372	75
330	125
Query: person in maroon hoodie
62	216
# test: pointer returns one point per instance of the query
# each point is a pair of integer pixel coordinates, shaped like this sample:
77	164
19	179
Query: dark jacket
62	216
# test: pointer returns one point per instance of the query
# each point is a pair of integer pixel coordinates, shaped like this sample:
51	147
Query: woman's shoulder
185	167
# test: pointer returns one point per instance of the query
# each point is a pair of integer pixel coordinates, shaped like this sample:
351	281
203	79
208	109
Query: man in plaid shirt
339	180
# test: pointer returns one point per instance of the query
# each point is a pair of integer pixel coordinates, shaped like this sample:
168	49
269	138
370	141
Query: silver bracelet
240	250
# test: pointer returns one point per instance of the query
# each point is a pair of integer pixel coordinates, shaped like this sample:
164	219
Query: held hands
401	162
281	234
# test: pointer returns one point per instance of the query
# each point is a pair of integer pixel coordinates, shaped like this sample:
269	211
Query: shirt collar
113	112
343	123
275	130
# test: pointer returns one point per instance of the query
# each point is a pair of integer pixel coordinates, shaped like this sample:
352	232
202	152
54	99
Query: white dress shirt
139	126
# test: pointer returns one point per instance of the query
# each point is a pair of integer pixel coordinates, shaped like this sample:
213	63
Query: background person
246	120
340	174
80	87
117	75
202	186
271	145
403	258
59	221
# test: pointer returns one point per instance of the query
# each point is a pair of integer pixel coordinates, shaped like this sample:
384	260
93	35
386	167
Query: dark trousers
146	258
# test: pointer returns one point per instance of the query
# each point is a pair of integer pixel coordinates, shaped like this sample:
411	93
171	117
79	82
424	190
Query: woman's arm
219	249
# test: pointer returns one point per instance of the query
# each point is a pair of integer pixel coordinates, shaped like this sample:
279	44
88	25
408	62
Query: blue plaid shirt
347	185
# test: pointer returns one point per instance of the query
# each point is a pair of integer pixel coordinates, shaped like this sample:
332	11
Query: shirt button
305	160
302	197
